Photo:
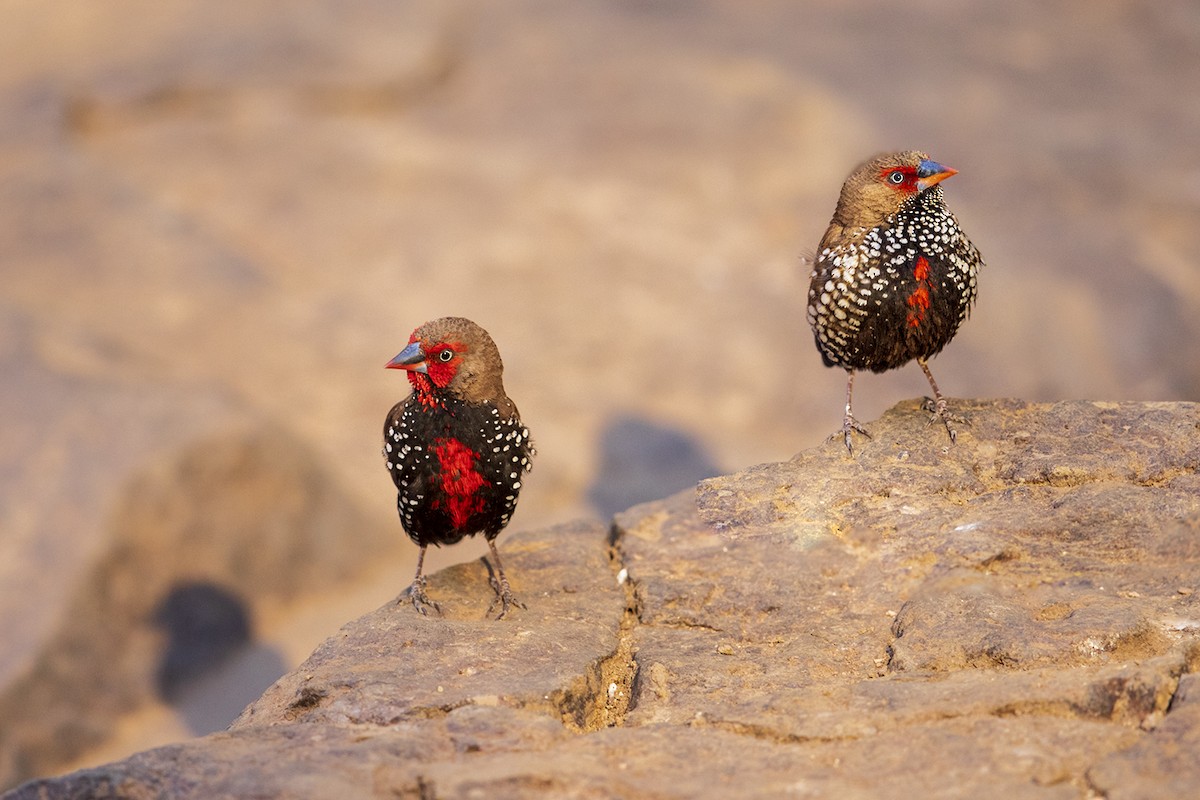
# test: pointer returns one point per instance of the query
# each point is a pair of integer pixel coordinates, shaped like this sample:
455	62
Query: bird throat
427	393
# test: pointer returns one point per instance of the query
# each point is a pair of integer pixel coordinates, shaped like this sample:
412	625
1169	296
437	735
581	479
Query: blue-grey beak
411	358
931	173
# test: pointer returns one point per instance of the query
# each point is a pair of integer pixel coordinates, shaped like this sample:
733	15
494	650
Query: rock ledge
1016	615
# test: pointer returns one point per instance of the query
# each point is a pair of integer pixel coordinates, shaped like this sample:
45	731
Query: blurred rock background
220	219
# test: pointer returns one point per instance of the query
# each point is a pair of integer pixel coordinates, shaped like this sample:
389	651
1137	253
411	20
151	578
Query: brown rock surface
122	498
1015	615
248	205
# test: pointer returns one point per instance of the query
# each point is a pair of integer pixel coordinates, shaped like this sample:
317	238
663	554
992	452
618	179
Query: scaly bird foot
504	596
850	425
420	600
938	411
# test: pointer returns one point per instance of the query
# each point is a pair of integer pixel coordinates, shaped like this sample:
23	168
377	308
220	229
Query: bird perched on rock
456	447
894	276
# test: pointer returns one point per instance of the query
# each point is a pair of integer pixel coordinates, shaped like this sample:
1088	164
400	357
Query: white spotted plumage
860	278
894	276
455	446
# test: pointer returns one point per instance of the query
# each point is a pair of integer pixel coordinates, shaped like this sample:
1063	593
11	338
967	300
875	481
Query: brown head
453	355
879	188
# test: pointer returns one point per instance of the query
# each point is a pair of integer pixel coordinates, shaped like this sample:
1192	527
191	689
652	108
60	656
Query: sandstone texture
1016	615
143	529
221	217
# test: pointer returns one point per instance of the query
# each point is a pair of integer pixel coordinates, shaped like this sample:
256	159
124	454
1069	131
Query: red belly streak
921	269
461	482
918	301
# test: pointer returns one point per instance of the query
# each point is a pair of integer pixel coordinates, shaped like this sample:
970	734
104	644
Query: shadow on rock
214	700
642	460
205	624
209	669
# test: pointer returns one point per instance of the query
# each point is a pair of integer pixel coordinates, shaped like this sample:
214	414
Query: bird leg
937	406
849	423
499	582
416	592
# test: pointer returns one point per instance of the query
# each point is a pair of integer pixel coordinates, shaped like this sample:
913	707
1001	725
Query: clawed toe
420	600
504	596
938	411
850	425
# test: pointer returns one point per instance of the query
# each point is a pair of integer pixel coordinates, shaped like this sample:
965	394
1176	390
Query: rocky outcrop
224	212
1015	615
222	216
144	528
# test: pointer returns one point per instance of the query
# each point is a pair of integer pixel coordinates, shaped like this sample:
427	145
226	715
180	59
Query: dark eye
446	355
896	177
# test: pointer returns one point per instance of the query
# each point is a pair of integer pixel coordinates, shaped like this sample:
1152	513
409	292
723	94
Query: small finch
894	277
456	448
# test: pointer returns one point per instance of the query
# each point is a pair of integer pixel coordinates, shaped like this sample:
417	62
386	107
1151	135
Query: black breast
457	467
890	294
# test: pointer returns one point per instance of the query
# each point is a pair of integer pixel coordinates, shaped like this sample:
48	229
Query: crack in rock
769	734
1038	636
602	697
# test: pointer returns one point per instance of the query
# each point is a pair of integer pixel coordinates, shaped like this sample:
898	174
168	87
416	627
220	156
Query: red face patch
441	365
461	480
442	361
902	179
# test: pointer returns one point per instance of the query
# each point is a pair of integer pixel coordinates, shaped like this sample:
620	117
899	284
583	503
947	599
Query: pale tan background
260	200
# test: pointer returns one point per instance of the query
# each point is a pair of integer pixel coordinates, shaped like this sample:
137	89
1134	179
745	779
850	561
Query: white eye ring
446	355
896	177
